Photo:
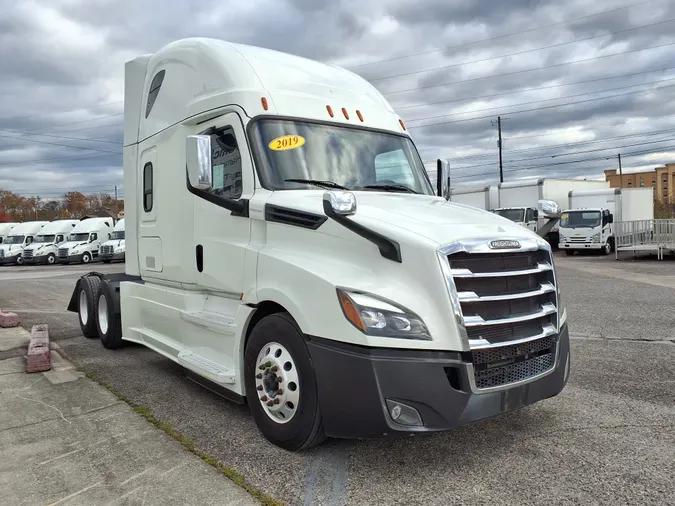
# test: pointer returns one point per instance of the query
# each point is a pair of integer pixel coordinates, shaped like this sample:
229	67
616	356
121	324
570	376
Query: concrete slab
14	337
71	441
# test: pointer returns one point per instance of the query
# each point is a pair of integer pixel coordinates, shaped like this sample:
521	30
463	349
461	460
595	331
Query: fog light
404	415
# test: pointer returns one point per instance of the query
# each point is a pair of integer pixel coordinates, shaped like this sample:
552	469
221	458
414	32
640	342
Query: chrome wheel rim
84	310
277	382
103	314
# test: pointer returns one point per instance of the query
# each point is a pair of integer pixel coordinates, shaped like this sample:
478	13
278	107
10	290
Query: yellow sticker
286	142
564	217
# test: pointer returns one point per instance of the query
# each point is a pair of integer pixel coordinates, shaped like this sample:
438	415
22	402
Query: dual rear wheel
96	310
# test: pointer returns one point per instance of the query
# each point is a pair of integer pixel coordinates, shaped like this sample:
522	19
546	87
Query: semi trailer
286	247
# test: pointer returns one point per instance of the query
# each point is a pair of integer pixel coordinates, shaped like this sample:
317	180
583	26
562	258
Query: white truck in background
84	241
5	229
114	248
20	236
335	296
518	200
588	223
44	248
483	197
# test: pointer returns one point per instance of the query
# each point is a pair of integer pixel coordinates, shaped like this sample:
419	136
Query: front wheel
86	257
281	385
607	248
51	259
19	260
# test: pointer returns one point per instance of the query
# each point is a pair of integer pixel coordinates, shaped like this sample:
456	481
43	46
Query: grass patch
188	444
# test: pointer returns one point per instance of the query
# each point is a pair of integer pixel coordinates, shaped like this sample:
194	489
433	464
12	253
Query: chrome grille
508	303
27	254
63	252
107	250
2	253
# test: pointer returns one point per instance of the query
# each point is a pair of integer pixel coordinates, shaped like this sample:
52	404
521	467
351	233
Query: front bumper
7	259
354	384
114	256
77	257
580	245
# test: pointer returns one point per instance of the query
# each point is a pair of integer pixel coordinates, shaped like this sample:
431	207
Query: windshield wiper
317	182
390	187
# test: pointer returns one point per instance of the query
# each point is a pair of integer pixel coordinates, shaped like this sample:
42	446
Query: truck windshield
45	238
78	237
14	239
517	215
351	157
118	234
580	219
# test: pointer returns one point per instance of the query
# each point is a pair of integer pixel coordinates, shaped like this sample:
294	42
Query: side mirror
550	208
442	179
610	218
198	159
536	214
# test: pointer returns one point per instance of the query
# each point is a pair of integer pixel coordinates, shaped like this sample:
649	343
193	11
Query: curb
8	320
39	358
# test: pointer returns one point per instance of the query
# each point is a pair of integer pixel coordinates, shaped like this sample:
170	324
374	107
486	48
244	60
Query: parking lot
607	439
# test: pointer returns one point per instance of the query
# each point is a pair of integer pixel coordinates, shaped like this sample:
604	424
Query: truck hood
72	244
115	243
430	217
9	248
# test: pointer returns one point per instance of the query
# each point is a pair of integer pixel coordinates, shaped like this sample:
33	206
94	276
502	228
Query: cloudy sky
575	82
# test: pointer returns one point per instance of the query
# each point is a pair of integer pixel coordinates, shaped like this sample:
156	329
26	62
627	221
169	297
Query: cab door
221	236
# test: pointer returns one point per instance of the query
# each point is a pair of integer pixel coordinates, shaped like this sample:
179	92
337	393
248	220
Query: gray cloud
62	66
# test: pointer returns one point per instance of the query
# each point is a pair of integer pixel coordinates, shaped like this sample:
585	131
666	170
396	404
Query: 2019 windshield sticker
286	142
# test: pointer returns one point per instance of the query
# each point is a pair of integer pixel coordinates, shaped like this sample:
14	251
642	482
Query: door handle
199	253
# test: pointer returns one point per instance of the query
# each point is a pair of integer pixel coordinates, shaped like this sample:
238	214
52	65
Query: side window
155	85
147	187
226	162
93	237
393	166
59	238
29	239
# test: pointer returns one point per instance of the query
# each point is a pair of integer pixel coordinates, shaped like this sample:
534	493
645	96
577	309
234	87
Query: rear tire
303	428
88	305
108	323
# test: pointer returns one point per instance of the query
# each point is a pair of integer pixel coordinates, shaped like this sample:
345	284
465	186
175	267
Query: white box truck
588	222
518	200
483	197
45	247
84	241
114	248
19	237
336	299
5	229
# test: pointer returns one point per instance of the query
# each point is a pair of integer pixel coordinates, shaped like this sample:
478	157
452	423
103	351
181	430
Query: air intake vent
293	217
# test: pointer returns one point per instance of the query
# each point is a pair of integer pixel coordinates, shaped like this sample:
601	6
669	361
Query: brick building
662	179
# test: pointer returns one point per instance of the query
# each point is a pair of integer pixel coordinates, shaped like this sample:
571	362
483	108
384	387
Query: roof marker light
401	123
344	111
263	100
358	113
330	110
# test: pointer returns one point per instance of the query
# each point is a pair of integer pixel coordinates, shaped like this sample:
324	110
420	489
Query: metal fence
644	235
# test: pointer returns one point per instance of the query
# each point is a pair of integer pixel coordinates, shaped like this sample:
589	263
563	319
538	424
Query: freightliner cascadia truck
318	275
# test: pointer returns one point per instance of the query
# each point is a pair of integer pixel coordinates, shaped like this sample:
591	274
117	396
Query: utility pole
620	171
116	211
499	143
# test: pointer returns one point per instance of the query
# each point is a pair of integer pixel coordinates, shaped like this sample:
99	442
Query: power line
544	107
42	160
28	132
466	44
560	44
530	70
61	145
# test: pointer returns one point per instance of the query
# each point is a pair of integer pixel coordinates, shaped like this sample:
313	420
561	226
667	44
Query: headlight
595	238
375	316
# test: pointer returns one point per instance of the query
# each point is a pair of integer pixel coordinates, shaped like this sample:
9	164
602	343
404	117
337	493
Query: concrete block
39	356
8	320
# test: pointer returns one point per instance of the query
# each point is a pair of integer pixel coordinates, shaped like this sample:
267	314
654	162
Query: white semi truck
21	236
588	222
518	200
84	241
45	247
114	248
336	298
5	229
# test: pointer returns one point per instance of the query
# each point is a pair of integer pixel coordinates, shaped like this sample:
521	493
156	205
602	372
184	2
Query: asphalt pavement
607	439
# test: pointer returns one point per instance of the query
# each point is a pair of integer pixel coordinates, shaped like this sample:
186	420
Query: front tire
51	259
86	257
88	305
279	370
